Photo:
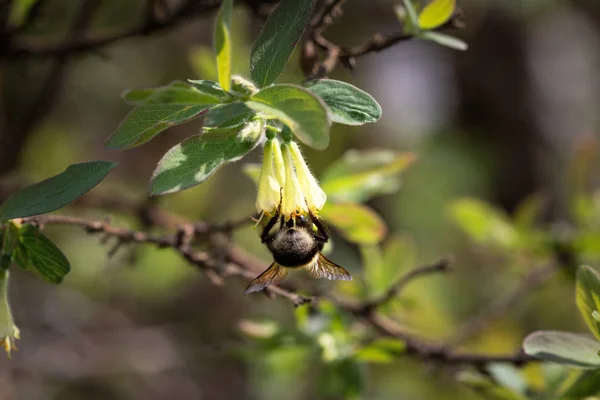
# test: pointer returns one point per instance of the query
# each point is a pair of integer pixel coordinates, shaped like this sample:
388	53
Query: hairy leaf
277	39
302	111
347	104
57	191
228	116
169	106
198	157
210	88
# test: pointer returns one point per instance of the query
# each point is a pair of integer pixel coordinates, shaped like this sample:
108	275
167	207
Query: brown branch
335	53
244	266
475	325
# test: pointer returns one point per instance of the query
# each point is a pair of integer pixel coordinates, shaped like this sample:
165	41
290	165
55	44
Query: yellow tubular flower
315	196
293	198
268	185
8	330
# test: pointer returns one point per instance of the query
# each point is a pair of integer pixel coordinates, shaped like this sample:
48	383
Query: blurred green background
513	121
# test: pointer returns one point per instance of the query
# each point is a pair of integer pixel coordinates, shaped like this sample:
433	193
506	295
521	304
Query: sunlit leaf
169	106
483	223
36	252
381	350
57	191
588	297
397	257
360	175
223	43
299	109
354	222
198	157
347	104
436	13
277	39
564	348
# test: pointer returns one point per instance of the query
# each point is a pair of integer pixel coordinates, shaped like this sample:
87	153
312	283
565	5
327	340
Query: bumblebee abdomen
294	247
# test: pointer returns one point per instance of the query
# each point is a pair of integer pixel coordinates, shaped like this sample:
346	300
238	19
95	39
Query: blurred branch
442	265
244	266
478	323
17	48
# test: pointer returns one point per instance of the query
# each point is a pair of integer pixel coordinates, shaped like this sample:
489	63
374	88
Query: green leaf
383	267
223	43
169	106
381	350
210	88
228	116
340	379
139	96
444	40
564	348
347	104
587	384
360	175
436	13
198	157
483	223
355	223
303	112
277	39
19	10
508	376
36	252
588	297
57	191
486	387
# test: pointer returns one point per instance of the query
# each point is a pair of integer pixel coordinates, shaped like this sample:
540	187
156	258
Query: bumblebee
297	244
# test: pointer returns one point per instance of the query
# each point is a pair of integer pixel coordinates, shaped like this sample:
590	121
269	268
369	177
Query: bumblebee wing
325	268
275	273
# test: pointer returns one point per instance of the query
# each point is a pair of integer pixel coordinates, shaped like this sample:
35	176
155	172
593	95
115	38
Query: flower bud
268	184
314	195
8	330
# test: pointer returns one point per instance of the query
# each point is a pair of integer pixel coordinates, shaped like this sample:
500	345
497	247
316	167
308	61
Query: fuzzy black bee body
297	244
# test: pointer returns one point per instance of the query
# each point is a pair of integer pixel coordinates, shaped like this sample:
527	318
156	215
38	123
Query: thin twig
442	265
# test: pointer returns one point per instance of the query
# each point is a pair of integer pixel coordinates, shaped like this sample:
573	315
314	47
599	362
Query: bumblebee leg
320	228
265	233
